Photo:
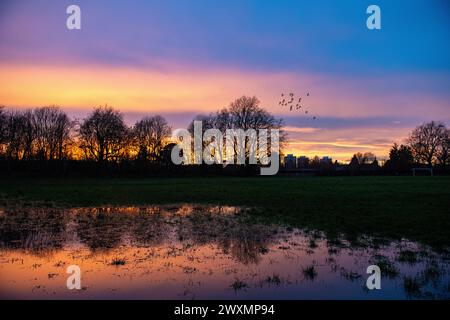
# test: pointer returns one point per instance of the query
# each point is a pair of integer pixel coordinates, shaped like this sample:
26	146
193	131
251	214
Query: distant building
302	162
290	161
326	160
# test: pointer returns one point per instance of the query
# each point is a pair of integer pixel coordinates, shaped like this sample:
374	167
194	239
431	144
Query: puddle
201	252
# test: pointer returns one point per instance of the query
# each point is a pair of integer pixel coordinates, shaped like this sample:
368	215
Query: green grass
417	208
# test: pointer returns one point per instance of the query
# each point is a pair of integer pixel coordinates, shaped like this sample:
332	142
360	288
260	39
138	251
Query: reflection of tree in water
427	284
101	228
35	229
245	241
233	232
106	228
149	227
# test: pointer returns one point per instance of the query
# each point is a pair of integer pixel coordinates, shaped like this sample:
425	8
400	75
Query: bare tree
243	113
365	158
14	134
443	154
52	128
103	135
151	134
63	135
28	134
208	122
425	140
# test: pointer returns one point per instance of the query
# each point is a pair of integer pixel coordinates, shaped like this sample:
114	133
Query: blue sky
322	36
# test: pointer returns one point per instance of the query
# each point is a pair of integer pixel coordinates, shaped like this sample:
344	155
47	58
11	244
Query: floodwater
201	252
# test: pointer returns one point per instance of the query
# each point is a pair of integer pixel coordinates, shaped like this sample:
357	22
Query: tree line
428	145
48	134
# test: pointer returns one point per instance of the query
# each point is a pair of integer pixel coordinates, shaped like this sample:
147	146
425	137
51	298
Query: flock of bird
289	100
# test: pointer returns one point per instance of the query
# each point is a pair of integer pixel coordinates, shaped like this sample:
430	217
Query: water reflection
38	230
202	252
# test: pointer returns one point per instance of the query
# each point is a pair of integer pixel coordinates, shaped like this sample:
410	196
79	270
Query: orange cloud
301	130
129	89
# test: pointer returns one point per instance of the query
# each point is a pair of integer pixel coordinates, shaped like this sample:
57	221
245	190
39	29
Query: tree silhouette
151	134
15	134
243	113
443	154
52	129
364	158
426	140
103	135
400	158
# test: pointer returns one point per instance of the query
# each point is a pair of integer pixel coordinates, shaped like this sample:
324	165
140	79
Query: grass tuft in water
238	285
388	268
118	262
350	275
275	280
411	286
310	272
407	256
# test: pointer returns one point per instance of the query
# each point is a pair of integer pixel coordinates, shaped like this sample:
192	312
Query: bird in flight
289	102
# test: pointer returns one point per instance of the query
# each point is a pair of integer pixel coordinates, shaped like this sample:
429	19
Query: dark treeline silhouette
243	113
46	142
39	134
427	147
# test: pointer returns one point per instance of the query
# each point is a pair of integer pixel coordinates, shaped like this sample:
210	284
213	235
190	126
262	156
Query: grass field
417	208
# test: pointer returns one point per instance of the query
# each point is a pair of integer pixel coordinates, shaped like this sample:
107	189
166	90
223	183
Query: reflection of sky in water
203	253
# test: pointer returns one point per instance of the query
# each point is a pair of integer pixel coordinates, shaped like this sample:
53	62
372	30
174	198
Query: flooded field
201	252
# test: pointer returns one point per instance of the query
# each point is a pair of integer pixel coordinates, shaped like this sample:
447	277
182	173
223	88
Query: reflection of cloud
43	232
103	229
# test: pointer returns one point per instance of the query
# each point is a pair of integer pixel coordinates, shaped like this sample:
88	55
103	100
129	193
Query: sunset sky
368	88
